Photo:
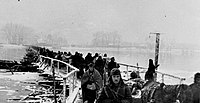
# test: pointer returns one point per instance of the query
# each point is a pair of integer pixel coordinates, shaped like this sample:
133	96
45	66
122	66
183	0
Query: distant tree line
56	40
18	34
106	39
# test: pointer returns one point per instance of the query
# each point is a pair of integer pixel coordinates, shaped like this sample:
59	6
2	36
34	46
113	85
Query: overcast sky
178	20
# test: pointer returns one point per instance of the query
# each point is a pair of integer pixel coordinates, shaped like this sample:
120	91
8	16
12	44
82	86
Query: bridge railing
63	70
141	70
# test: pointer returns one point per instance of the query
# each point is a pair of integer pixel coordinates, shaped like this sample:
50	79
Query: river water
179	63
175	62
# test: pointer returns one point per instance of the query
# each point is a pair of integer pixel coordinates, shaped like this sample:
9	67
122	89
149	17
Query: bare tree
17	34
56	39
106	39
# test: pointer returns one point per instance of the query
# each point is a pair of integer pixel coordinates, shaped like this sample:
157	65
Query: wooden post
138	70
157	48
67	69
163	78
64	90
58	66
156	52
54	83
127	71
73	82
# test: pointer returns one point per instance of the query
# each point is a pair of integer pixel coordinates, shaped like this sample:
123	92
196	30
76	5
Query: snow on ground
20	76
12	46
13	86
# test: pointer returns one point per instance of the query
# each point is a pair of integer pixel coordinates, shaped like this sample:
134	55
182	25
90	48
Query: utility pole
157	47
156	50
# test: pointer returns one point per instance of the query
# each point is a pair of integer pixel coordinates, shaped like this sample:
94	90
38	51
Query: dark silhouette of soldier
195	87
149	75
99	65
112	64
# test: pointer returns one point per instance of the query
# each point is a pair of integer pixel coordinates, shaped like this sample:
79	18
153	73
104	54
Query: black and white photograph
99	51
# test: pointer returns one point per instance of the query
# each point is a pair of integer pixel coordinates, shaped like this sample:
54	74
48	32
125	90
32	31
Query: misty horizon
77	21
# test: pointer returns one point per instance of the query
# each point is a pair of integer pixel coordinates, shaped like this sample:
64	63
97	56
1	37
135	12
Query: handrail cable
66	76
163	74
